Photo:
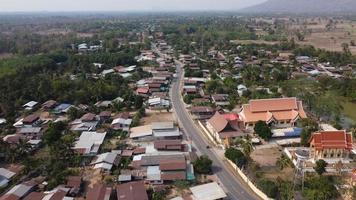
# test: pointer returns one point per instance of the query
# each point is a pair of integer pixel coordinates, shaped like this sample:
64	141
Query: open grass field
332	39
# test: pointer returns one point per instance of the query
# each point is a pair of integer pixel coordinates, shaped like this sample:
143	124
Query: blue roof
62	107
295	133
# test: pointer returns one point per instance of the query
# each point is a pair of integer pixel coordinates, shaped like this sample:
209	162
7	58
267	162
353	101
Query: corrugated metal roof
209	191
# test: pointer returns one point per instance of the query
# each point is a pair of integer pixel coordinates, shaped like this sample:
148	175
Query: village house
74	184
122	121
278	112
99	192
31	120
131	191
158	103
30	105
208	191
105	116
190	90
88	122
162	168
5	177
225	127
220	99
50	104
143	91
89	143
105	161
331	146
165	130
19	191
169	145
185	59
62	108
202	112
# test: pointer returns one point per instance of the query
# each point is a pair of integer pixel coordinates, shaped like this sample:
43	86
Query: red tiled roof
263	105
332	139
231	116
269	109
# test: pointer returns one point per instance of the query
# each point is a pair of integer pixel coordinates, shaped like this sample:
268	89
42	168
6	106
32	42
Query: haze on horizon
123	5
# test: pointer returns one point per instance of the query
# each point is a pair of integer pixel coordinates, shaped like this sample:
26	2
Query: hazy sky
123	5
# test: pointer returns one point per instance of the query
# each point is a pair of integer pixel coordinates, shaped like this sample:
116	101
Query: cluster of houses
155	89
281	114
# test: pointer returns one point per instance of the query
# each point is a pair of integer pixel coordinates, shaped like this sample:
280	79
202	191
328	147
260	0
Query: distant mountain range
304	6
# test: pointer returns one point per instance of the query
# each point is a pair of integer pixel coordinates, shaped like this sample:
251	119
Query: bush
236	156
320	188
270	188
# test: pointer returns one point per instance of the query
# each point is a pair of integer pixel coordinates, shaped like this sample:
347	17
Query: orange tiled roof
269	109
332	139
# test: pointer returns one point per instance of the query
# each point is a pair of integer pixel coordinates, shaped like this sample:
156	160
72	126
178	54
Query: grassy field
350	110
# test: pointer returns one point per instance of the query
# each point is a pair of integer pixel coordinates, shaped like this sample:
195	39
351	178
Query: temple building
331	145
277	112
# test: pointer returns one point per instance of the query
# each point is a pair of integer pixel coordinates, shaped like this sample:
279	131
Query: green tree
138	101
54	132
202	165
263	130
236	156
269	187
320	188
320	166
309	126
285	189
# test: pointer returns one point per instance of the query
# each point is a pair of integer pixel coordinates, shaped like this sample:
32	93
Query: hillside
304	6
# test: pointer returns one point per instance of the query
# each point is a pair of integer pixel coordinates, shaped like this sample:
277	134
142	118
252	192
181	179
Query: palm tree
283	162
245	145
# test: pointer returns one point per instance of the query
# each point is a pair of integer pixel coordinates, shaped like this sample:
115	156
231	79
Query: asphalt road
236	188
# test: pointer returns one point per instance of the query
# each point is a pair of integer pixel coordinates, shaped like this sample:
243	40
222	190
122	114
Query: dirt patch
286	174
266	157
157	116
328	39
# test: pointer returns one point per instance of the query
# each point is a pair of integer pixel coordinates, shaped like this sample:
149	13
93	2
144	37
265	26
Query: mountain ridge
304	6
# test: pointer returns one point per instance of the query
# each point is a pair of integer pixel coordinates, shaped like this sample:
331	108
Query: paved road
235	187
